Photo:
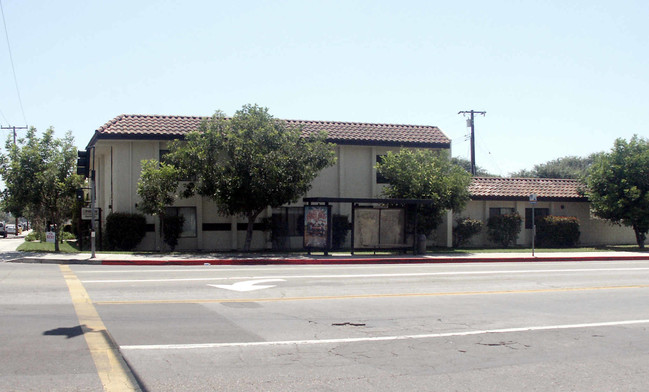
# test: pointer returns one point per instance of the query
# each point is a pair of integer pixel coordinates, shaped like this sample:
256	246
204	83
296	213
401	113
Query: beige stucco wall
118	165
593	231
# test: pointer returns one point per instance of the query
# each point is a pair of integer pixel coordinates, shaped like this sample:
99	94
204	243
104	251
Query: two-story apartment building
122	143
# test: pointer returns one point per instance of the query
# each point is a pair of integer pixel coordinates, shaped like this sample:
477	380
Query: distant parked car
3	230
11	229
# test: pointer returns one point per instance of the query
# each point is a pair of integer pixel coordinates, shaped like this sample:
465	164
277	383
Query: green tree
426	174
618	185
249	162
466	165
39	178
566	167
157	189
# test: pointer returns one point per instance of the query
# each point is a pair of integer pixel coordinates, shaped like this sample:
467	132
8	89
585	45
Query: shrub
172	227
465	229
124	231
504	229
35	236
557	231
67	236
40	236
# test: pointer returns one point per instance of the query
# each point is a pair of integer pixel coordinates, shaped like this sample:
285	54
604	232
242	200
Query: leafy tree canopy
566	167
39	176
249	162
426	174
157	187
618	185
466	165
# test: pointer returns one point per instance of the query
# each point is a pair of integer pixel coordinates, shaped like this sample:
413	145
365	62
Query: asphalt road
452	327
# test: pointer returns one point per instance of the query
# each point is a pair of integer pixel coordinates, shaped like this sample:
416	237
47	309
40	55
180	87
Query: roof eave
382	143
527	198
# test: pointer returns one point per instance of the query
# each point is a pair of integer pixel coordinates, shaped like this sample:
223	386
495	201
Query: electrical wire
3	117
11	59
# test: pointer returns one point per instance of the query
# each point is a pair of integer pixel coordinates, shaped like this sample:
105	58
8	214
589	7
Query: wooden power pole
472	113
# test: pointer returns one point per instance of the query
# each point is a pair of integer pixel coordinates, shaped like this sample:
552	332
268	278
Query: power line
3	117
11	60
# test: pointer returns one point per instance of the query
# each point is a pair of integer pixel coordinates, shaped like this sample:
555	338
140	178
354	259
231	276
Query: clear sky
556	78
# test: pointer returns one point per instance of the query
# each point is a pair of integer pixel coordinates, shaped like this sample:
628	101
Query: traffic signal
81	194
83	163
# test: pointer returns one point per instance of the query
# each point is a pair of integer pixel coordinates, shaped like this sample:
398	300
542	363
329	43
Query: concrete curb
345	260
37	260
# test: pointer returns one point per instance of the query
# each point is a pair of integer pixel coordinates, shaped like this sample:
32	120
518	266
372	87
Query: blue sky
556	78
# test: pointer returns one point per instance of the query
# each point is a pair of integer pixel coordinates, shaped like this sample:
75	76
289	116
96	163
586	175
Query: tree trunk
251	222
640	237
57	238
162	233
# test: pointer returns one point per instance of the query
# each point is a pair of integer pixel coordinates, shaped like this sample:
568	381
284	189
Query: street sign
533	198
86	213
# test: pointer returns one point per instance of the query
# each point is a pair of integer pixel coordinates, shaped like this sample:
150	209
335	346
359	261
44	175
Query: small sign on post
86	213
50	236
533	202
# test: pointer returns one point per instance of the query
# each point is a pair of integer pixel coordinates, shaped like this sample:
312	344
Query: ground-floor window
497	211
289	221
538	214
189	225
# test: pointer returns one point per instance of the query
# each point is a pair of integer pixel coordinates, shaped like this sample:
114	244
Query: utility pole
14	130
472	113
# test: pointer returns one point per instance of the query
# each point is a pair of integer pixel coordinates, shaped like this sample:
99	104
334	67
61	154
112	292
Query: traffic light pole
92	207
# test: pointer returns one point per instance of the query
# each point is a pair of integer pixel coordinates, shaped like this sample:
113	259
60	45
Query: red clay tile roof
151	126
495	188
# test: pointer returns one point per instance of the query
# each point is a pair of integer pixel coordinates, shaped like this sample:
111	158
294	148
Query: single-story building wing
559	197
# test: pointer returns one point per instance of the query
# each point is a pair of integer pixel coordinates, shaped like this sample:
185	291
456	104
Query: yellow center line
113	371
362	296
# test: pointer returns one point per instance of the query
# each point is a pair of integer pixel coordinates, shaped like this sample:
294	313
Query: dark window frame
497	211
538	213
175	211
380	179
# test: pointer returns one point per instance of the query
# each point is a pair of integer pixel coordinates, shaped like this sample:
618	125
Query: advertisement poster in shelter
316	226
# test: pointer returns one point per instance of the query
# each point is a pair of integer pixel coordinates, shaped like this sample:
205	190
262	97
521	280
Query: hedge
124	231
504	229
557	231
464	230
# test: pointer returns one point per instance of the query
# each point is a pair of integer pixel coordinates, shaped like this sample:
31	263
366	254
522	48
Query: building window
288	221
379	177
500	211
162	156
189	225
538	214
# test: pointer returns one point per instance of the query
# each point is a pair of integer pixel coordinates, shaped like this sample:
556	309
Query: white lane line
378	338
217	268
349	276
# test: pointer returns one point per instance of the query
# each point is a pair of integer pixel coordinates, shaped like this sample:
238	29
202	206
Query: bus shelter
376	223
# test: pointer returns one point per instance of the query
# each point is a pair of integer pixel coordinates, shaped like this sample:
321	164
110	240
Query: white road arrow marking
247	285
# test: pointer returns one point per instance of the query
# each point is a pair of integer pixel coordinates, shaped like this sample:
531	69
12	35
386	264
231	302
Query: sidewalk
335	258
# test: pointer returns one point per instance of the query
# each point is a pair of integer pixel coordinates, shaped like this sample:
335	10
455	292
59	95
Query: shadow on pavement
70	332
